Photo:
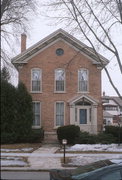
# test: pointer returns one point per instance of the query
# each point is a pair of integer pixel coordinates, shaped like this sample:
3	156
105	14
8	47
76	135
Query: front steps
50	138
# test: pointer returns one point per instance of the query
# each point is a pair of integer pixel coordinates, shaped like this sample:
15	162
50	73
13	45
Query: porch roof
87	98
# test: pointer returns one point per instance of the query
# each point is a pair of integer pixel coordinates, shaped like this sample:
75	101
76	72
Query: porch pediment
83	99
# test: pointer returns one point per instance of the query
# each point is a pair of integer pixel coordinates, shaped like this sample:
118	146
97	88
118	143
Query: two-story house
63	76
112	110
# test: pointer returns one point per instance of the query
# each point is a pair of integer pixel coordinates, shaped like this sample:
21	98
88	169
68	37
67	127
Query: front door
83	116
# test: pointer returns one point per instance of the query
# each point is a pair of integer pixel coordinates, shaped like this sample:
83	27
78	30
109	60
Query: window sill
85	92
36	127
59	92
35	92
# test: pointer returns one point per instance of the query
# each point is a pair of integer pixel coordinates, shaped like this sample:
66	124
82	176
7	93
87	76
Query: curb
22	169
30	169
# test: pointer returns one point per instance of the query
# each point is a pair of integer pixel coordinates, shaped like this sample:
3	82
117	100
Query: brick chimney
23	42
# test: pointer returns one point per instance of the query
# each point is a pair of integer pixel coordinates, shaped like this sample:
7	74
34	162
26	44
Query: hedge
70	132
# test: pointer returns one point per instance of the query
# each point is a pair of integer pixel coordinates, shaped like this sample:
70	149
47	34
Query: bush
36	136
86	138
114	130
70	132
8	138
104	138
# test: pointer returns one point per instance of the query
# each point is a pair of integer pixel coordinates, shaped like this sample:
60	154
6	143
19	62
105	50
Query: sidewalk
46	158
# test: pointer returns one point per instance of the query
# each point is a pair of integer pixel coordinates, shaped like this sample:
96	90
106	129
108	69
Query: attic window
59	52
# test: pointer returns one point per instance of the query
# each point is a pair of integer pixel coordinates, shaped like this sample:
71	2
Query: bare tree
14	20
93	20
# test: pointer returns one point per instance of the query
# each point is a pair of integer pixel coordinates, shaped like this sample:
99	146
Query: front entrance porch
83	112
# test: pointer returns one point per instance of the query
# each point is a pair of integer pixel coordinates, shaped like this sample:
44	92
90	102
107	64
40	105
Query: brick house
63	77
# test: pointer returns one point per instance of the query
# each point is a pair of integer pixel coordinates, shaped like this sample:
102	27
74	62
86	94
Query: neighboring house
63	76
112	110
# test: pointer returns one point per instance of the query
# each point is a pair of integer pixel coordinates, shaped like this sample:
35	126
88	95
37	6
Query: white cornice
51	39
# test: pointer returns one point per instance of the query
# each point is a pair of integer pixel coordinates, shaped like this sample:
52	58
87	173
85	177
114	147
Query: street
24	175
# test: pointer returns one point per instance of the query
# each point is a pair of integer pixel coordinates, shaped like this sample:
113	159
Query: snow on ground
12	161
90	158
16	150
96	147
47	158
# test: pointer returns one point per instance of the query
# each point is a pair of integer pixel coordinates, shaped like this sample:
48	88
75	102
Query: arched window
36	80
82	80
59	80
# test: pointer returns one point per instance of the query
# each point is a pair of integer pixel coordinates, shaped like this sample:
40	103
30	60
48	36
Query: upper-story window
59	80
36	79
82	80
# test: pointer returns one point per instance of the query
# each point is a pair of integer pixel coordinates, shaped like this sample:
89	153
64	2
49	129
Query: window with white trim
36	78
82	80
59	113
37	114
59	80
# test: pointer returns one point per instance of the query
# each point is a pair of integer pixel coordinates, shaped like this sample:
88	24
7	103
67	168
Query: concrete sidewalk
44	158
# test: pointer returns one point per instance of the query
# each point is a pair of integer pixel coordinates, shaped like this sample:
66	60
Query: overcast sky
40	28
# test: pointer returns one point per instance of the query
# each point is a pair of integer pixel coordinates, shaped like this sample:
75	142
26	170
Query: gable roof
52	38
78	98
118	100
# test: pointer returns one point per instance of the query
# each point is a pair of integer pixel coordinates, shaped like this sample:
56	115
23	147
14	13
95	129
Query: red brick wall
48	61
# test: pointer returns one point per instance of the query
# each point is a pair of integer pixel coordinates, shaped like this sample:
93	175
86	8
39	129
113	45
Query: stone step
50	138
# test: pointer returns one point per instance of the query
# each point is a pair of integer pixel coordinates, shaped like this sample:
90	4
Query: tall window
37	113
59	113
59	80
83	80
36	77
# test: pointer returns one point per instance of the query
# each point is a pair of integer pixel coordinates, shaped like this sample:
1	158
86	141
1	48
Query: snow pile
95	147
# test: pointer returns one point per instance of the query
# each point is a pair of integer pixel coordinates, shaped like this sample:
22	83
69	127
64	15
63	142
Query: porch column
94	119
72	114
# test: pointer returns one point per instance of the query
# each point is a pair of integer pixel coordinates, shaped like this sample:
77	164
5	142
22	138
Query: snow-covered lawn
46	157
95	147
13	161
15	157
17	150
89	158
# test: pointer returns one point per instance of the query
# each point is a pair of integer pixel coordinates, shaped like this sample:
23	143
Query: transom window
59	80
36	78
37	114
82	80
59	113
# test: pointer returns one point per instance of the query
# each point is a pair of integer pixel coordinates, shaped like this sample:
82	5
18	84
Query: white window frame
55	80
80	91
40	91
39	126
56	126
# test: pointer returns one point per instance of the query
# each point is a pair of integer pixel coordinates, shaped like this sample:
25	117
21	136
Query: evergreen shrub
70	132
116	131
16	113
